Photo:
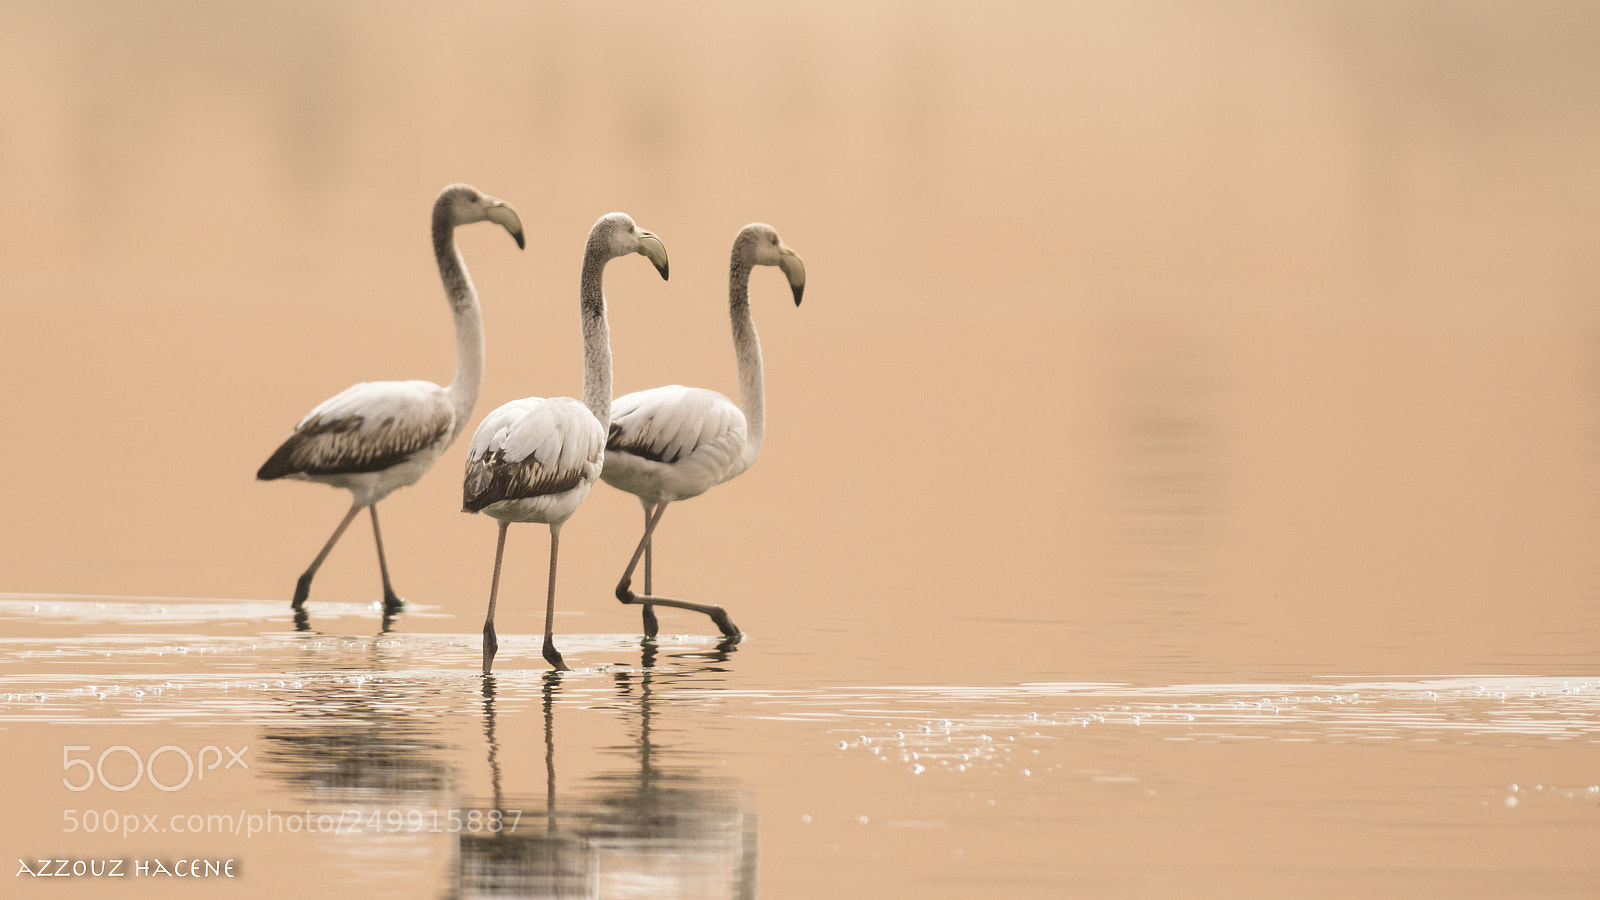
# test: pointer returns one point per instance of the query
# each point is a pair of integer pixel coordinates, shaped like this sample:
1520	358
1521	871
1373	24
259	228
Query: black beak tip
797	292
521	244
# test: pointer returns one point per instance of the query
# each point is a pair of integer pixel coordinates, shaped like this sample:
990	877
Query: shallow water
1180	479
699	769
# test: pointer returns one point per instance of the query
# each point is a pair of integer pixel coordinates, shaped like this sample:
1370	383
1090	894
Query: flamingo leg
302	588
650	625
551	654
391	601
718	614
490	642
648	546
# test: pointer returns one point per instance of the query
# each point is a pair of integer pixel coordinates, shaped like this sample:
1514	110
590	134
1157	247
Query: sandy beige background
1277	320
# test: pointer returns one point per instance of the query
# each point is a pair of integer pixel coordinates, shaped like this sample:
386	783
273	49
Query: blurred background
1183	336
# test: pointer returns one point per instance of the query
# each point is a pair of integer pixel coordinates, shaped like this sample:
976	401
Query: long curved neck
468	380
596	335
747	350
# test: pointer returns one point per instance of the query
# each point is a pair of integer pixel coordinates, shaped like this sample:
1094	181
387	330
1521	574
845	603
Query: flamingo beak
794	269
651	248
501	213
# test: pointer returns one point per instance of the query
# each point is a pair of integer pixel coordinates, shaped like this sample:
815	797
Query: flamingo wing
366	428
670	424
532	448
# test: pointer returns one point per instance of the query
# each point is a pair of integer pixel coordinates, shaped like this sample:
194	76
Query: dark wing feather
491	479
531	448
619	441
368	428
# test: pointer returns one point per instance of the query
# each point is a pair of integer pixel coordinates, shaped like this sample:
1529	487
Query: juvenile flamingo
379	436
672	443
534	460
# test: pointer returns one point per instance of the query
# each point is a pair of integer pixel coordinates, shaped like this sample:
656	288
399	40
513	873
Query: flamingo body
533	460
370	439
673	443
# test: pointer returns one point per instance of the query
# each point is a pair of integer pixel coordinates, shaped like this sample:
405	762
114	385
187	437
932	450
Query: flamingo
672	443
378	436
534	460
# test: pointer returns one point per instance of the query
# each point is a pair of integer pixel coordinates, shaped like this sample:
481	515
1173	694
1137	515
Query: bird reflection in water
356	741
302	620
652	829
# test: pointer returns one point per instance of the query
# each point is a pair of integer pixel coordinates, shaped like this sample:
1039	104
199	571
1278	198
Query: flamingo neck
596	334
747	351
468	380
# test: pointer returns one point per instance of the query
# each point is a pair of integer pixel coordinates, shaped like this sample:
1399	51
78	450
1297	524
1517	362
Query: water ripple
932	728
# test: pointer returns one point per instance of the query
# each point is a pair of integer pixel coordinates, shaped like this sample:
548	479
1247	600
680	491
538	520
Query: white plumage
376	437
534	460
540	456
673	443
372	438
